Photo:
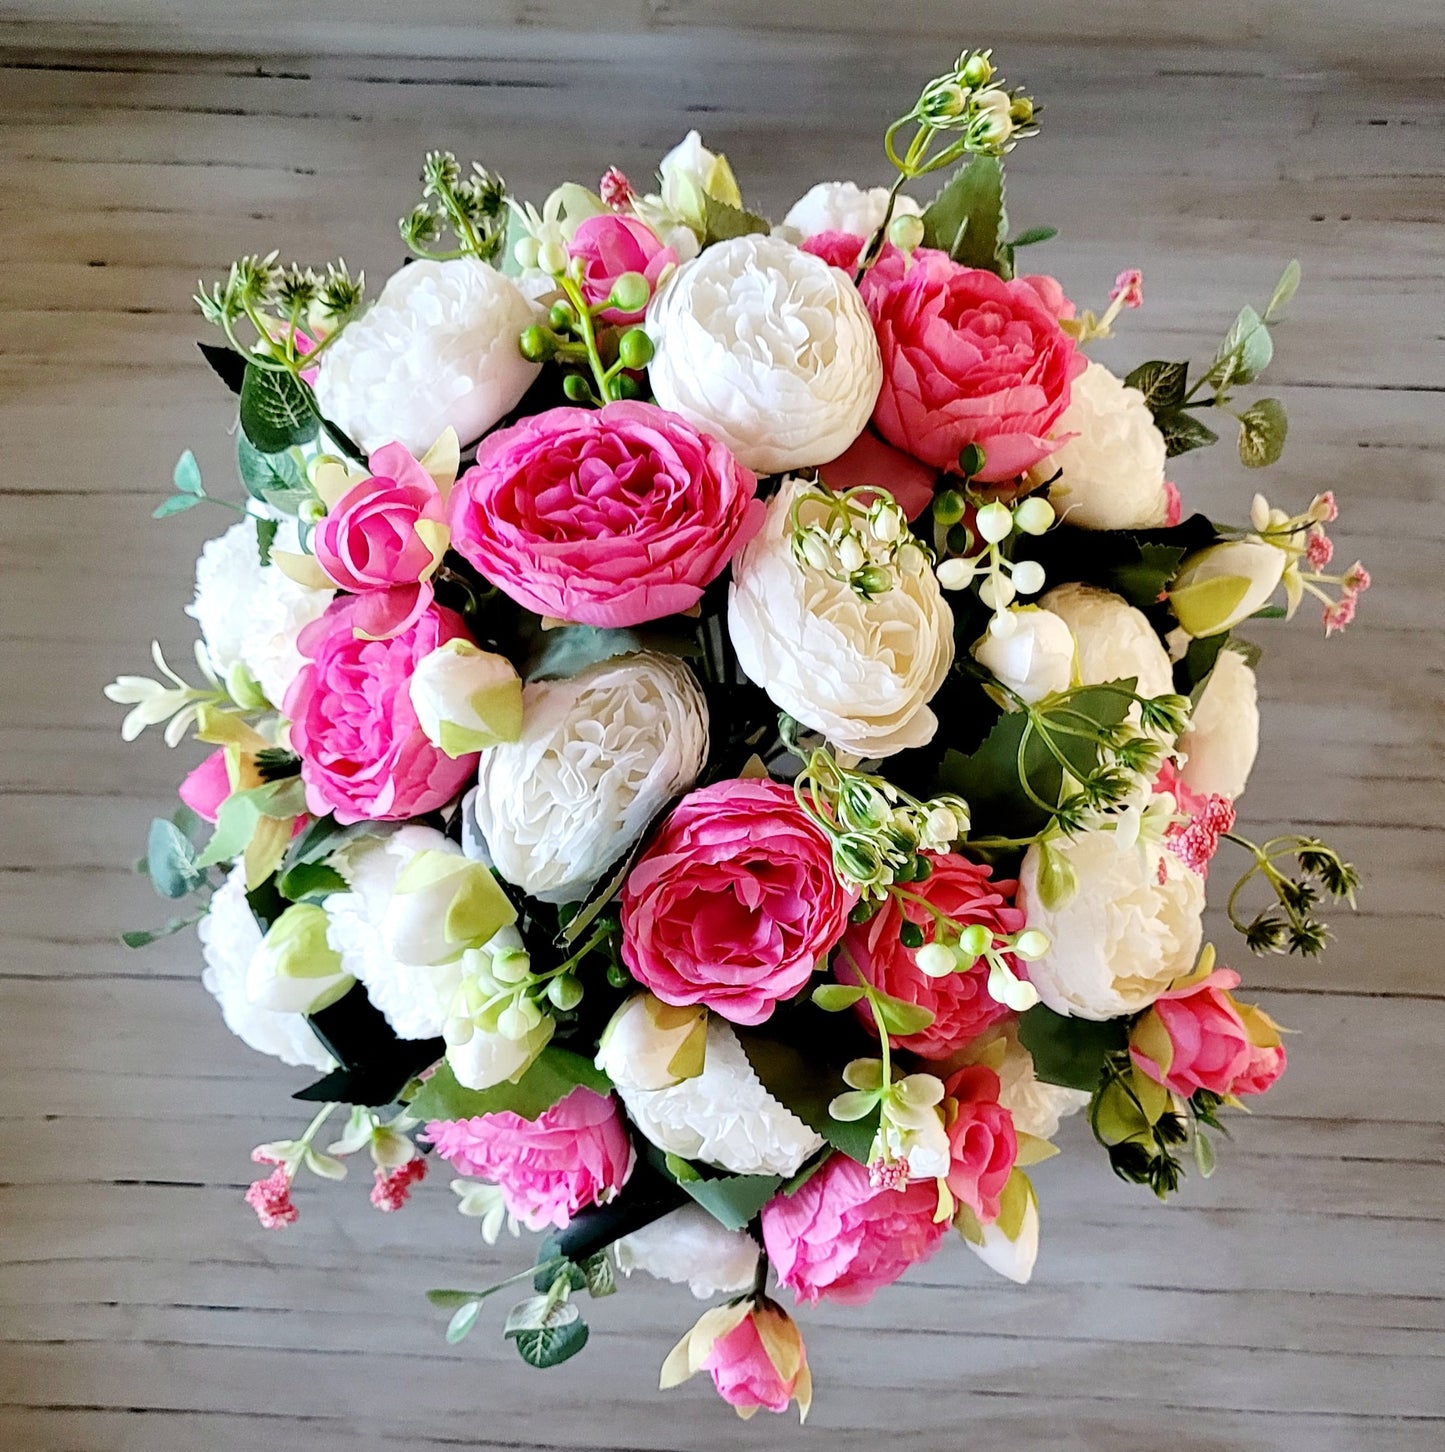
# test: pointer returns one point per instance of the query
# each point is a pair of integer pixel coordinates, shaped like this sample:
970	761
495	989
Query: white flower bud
466	698
1225	584
295	970
995	522
1036	659
443	904
1028	577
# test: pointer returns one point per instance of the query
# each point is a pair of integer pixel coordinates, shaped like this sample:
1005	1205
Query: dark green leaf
554	1075
600	1276
1262	430
733	1200
141	937
321	838
1183	433
265	538
552	1264
807	1088
176	504
966	219
722	221
1191	673
187	475
551	1345
1070	1051
265	475
1163	384
310	880
1033	235
229	365
171	860
1141	582
276	410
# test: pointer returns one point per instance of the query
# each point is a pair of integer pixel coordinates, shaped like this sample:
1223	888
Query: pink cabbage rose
742	1365
207	786
840	1238
575	1154
1200	1037
734	901
610	516
610	246
363	753
982	1142
961	1005
383	539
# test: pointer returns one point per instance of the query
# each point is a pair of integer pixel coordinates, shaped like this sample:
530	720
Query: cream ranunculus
1225	584
1113	467
689	1246
1223	736
768	349
861	671
466	698
600	753
438	349
230	938
1115	641
1034	657
1122	936
842	206
723	1115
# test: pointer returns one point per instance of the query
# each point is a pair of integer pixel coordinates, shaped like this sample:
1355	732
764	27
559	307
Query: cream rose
842	206
768	349
438	349
1223	736
861	671
600	753
1114	640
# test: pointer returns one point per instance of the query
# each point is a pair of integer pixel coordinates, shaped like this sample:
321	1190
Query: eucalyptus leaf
1204	1152
241	812
143	937
1245	352
1262	430
1284	290
265	475
171	860
277	412
463	1321
176	504
187	476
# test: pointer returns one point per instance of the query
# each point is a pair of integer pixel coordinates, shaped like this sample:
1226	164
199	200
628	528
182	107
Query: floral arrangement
720	730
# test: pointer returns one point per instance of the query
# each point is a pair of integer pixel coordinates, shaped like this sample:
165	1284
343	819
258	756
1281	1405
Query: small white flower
1123	936
437	350
600	753
493	1031
861	671
1113	469
1115	641
689	1246
466	698
1035	657
1223	736
484	1202
768	349
842	206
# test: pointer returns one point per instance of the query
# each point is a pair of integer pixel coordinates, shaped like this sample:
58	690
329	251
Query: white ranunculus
1115	641
1223	736
1035	657
861	671
723	1116
767	348
249	613
1123	936
689	1246
1113	469
438	349
230	937
600	753
842	206
1225	584
414	998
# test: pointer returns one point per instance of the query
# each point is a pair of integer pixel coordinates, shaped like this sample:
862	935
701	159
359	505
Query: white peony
438	349
600	753
690	1246
861	671
230	937
1114	640
249	613
413	998
1034	656
1223	736
1123	936
843	206
1113	469
723	1116
767	348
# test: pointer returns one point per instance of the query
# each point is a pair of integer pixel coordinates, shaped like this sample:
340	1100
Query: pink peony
869	461
610	516
363	753
207	786
383	539
734	902
960	1003
575	1154
1199	1037
981	1140
837	1237
611	245
742	1366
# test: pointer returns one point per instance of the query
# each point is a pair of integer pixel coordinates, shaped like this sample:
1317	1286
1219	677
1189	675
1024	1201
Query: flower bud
850	553
905	232
1033	515
995	522
1021	110
241	687
652	1045
1028	577
1036	659
1030	944
565	993
536	344
974	939
552	257
443	904
562	316
948	507
977	71
942	101
957	574
527	252
754	1353
635	347
520	1018
295	969
630	293
466	698
937	960
576	387
1224	584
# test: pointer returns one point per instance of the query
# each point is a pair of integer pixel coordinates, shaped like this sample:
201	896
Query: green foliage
732	1200
265	538
835	997
552	1344
1183	433
240	813
321	838
555	1074
1262	429
171	860
1163	384
277	410
722	221
807	1088
1244	353
1142	581
276	479
967	219
310	881
143	937
1070	1051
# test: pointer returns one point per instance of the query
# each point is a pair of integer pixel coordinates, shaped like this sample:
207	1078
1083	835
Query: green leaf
171	860
187	476
555	1074
1163	384
463	1321
807	1088
265	538
600	1276
450	1300
1262	429
241	811
902	1018
1204	1146
1284	290
1033	235
263	475
1070	1051
143	937
1245	352
551	1345
277	412
1141	582
835	997
323	837
310	880
733	1200
680	1169
1191	673
966	219
722	221
176	504
1183	433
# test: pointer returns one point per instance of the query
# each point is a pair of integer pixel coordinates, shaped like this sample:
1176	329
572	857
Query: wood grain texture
1296	1301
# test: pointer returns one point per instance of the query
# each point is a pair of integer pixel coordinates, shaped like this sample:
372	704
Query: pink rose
575	1154
981	1140
610	246
742	1365
363	753
1199	1037
734	901
961	1005
610	516
840	1238
207	786
969	359
383	539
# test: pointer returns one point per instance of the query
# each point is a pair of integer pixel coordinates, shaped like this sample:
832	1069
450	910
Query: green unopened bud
905	232
311	511
976	71
942	101
536	343
630	292
295	969
552	258
971	460
974	939
565	992
859	860
576	387
512	965
1030	944
871	580
1021	110
518	1019
948	507
635	348
562	316
624	386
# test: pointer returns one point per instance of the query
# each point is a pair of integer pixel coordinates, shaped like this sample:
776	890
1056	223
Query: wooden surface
1293	1302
